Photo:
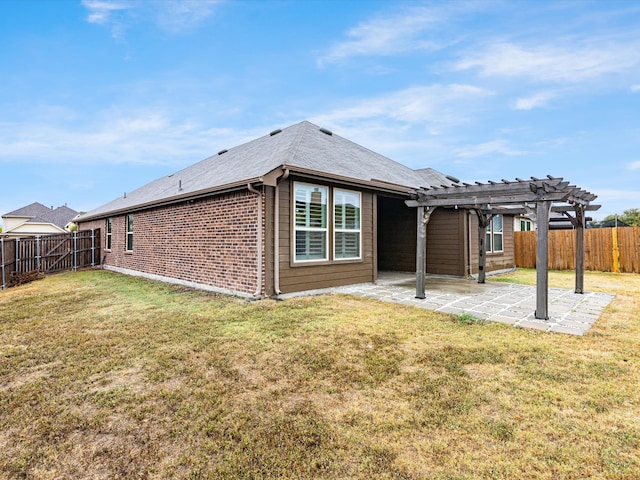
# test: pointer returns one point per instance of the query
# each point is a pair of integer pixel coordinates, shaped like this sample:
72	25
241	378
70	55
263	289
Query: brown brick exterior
211	241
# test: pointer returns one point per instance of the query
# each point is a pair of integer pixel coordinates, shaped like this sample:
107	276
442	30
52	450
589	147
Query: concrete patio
492	301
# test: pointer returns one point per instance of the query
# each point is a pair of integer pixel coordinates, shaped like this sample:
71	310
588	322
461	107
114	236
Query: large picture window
311	232
346	224
495	235
109	226
129	233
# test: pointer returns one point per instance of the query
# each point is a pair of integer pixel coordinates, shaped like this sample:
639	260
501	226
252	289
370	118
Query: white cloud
149	138
100	11
609	195
633	165
534	101
386	35
553	63
170	15
435	105
493	147
179	15
635	88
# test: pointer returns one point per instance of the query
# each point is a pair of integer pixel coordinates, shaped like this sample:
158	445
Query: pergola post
543	208
423	216
421	254
484	220
579	224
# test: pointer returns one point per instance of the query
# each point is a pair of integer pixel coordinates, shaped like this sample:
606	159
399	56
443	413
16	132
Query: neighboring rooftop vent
222	151
326	132
275	132
453	179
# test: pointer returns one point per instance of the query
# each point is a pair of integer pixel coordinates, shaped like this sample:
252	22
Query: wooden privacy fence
605	249
47	254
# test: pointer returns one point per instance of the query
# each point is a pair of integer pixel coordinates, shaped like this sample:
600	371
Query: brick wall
211	241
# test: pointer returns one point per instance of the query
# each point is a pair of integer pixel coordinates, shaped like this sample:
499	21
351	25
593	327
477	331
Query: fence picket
49	254
602	247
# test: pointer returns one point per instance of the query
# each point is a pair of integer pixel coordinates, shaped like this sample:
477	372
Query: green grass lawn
108	376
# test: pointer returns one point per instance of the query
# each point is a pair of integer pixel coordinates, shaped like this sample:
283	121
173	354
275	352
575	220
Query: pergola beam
508	198
461	201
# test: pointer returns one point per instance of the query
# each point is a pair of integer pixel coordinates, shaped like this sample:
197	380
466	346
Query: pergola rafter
536	197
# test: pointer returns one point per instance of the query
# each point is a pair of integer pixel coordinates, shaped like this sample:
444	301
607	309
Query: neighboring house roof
33	210
39	213
303	148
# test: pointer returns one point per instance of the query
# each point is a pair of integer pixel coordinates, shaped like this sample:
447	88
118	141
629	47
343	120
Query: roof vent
453	179
326	132
275	132
223	151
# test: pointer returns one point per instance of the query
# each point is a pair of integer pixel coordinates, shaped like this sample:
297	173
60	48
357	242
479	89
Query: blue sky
98	97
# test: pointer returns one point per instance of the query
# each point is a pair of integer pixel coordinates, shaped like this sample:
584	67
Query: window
129	233
525	225
109	225
494	235
310	225
346	224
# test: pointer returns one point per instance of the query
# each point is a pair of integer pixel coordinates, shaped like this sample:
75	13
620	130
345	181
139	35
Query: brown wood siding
495	261
296	278
269	205
445	242
397	239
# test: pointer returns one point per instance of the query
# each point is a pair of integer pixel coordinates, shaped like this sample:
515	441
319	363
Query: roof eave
173	199
373	184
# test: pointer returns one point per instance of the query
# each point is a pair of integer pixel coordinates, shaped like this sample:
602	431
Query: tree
631	217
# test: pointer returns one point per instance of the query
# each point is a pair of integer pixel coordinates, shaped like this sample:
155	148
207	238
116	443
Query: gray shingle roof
303	146
33	210
37	212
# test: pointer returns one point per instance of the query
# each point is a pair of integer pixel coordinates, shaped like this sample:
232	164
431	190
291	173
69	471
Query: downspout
276	234
252	189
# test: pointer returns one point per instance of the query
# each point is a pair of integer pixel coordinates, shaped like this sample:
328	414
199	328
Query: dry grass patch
107	376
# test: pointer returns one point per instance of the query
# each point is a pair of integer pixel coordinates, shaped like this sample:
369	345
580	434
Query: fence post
17	242
616	250
37	256
75	251
2	259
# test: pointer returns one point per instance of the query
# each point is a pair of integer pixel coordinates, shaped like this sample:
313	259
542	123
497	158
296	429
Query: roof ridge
298	138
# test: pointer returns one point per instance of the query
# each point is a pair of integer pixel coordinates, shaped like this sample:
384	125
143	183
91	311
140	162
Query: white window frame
307	228
129	234
492	233
337	192
528	225
109	229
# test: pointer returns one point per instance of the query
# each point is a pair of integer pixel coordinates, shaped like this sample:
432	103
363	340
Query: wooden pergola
536	198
